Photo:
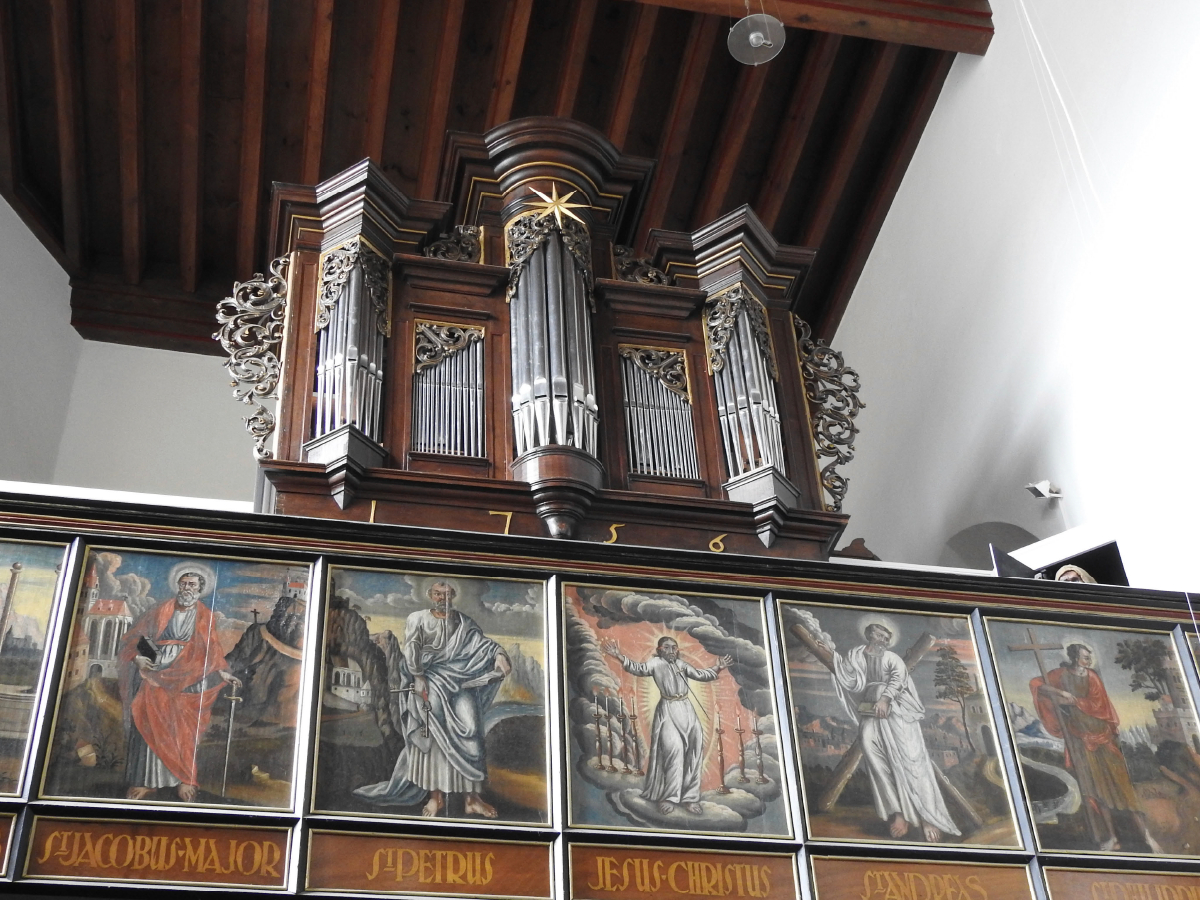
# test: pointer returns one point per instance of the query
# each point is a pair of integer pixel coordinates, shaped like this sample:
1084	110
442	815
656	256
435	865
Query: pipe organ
501	357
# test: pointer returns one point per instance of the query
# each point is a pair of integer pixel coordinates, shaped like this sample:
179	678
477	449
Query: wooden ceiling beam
739	113
253	107
575	55
901	154
863	105
379	90
633	64
797	124
696	55
32	213
68	109
439	98
191	143
962	26
318	88
508	62
129	129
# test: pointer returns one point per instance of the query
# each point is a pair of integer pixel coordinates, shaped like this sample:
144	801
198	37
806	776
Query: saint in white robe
444	730
901	772
676	739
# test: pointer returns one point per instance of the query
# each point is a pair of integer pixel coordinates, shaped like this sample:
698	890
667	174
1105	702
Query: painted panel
1107	735
181	682
671	713
433	698
894	728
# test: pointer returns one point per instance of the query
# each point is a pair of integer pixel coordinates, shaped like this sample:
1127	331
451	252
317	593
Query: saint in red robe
1088	729
171	706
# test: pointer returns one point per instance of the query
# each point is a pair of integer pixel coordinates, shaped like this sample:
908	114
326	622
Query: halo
1077	639
877	619
210	576
421	592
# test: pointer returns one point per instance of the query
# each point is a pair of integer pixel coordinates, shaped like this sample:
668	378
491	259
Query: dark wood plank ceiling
139	138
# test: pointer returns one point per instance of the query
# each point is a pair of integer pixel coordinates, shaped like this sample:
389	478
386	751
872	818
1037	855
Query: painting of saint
29	576
1107	736
671	713
181	682
893	728
433	698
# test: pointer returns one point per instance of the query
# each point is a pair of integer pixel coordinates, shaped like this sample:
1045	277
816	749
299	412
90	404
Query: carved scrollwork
665	365
530	231
436	342
251	321
832	391
461	245
720	319
335	272
637	269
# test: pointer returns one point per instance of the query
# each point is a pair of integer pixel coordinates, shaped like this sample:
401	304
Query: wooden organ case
499	359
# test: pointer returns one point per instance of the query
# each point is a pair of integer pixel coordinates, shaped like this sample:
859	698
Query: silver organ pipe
658	413
744	372
554	383
447	398
353	325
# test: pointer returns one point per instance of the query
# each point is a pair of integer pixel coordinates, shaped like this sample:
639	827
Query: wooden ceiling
139	138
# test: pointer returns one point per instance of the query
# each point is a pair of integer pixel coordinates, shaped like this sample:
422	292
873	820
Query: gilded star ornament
558	206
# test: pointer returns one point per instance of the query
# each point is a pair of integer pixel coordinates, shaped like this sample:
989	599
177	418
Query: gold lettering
141	851
401	872
48	848
426	864
271	856
671	878
374	871
258	855
112	852
973	884
487	868
88	856
98	855
454	874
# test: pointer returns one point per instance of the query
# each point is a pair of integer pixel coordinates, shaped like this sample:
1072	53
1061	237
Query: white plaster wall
154	421
38	352
1030	310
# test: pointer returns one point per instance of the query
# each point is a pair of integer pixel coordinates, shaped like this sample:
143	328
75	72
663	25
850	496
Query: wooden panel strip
964	27
739	113
508	62
191	153
129	131
797	124
253	103
871	222
379	90
696	55
633	63
439	99
68	109
318	87
575	55
867	94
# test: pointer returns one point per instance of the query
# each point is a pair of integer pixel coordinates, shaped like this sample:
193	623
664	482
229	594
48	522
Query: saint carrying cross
853	757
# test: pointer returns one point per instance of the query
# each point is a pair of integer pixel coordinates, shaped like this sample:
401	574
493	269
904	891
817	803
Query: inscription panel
351	863
1084	884
890	879
156	852
635	873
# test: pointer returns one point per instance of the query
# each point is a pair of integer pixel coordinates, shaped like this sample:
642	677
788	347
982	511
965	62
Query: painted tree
1147	659
954	682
